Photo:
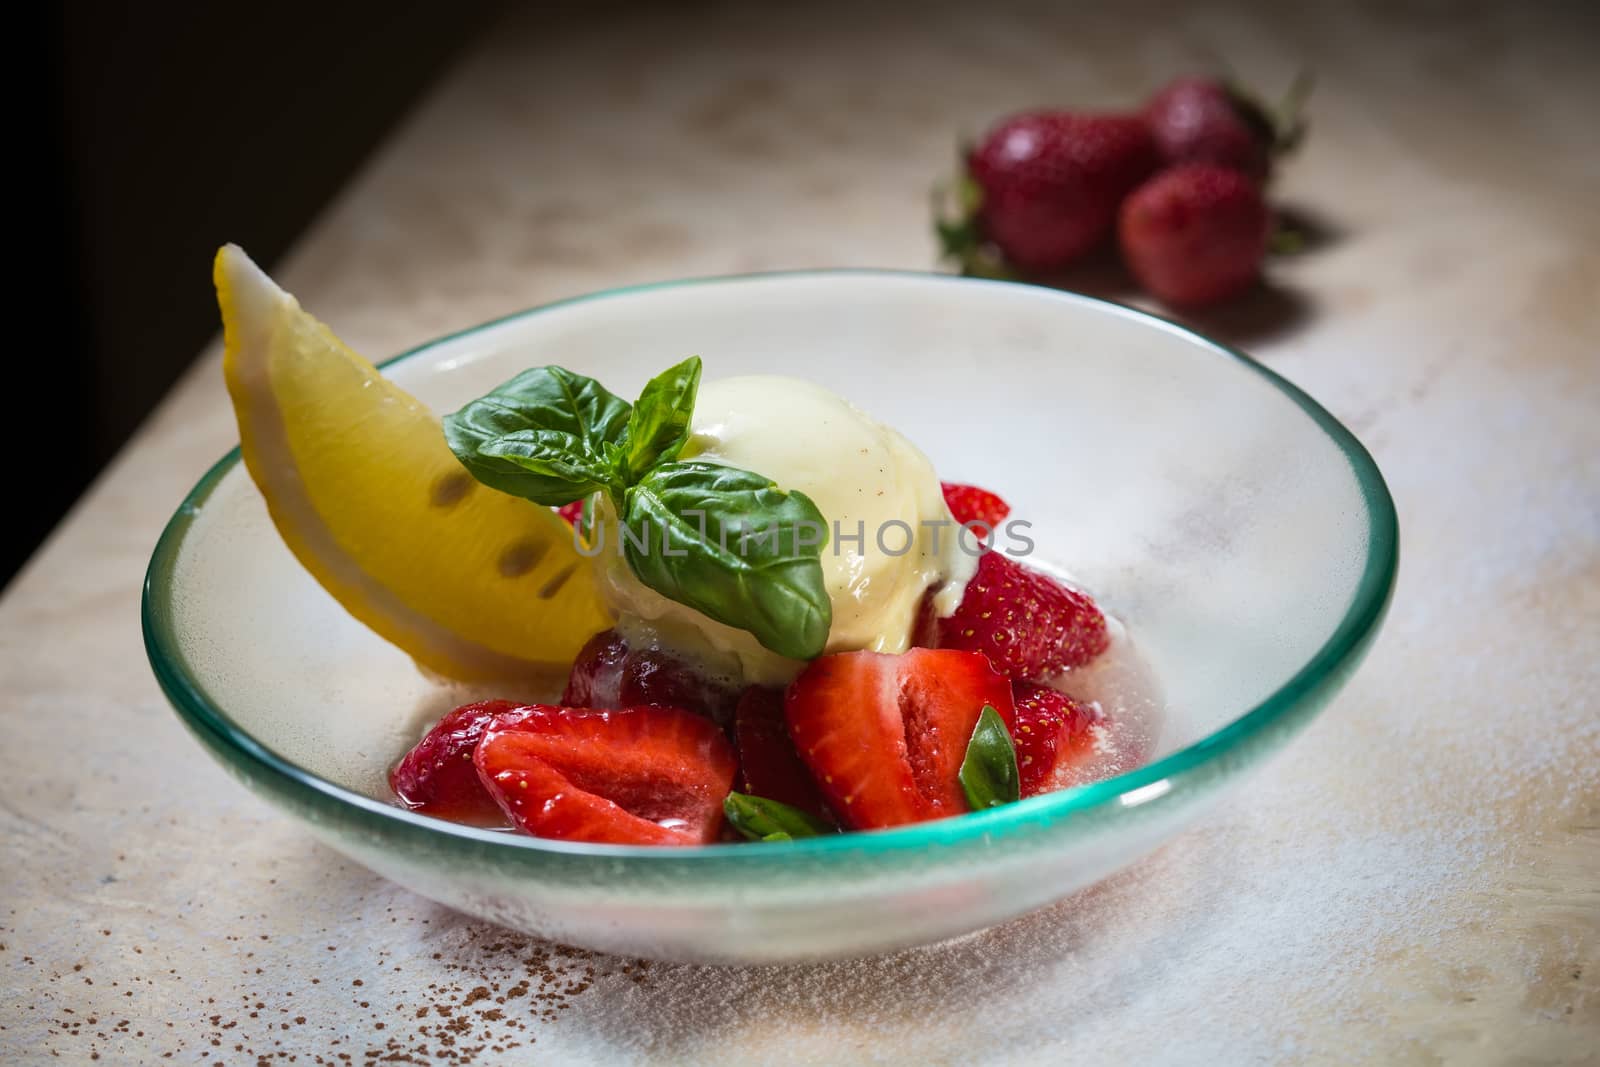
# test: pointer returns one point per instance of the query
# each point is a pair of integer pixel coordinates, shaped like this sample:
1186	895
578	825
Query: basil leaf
557	468
548	434
730	544
761	819
659	426
989	772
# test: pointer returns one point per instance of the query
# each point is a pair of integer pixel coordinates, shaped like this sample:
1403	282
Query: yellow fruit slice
472	582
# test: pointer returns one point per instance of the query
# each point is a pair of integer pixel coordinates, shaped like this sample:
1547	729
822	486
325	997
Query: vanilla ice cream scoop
890	536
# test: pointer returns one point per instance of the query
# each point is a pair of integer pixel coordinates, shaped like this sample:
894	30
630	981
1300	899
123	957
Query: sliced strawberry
1053	733
768	764
571	512
543	802
610	674
437	775
884	735
968	503
1030	625
636	776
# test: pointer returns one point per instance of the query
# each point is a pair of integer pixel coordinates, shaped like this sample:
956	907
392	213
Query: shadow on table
1267	311
1312	230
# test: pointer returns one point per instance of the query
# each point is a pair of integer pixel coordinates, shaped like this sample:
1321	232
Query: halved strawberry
1053	733
884	735
1030	625
610	674
571	512
968	503
768	764
635	776
437	776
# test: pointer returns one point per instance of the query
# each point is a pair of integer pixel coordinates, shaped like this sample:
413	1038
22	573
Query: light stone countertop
1415	881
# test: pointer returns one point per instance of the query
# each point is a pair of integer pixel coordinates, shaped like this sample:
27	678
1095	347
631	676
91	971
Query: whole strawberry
1206	120
1196	234
1050	181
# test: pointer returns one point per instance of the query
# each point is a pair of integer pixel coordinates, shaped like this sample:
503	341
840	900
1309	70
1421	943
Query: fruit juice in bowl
713	624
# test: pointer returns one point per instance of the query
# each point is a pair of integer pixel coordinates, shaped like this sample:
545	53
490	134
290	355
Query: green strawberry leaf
960	233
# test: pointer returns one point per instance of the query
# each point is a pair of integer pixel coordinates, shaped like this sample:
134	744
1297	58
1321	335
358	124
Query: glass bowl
1244	536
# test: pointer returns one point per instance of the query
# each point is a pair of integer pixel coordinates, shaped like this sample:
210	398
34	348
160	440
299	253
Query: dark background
164	130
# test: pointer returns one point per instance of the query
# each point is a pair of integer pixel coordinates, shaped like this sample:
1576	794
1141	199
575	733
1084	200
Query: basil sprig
988	774
760	819
727	542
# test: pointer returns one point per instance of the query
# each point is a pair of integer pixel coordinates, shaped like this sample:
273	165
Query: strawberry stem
1289	121
1286	241
961	241
1283	126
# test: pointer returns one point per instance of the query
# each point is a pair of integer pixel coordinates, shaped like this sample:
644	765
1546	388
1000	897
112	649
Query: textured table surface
1416	880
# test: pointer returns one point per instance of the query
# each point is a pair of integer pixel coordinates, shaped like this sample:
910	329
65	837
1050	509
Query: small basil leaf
989	772
551	400
659	426
761	819
557	468
733	546
586	520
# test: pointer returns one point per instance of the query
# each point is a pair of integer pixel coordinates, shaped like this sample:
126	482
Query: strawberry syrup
1122	687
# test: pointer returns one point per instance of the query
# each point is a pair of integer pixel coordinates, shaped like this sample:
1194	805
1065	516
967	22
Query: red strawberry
610	674
595	680
1051	734
968	503
639	776
768	764
1205	120
1199	120
1030	625
1051	182
571	512
1196	234
437	775
884	736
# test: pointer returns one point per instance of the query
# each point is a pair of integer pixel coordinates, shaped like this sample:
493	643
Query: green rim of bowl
1156	784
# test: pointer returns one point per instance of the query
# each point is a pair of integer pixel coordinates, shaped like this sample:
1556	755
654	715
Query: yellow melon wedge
471	582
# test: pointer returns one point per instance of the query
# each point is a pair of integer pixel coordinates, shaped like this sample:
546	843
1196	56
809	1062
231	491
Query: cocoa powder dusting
486	994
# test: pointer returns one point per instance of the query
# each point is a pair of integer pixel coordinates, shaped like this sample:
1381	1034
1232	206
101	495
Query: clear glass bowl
1246	538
